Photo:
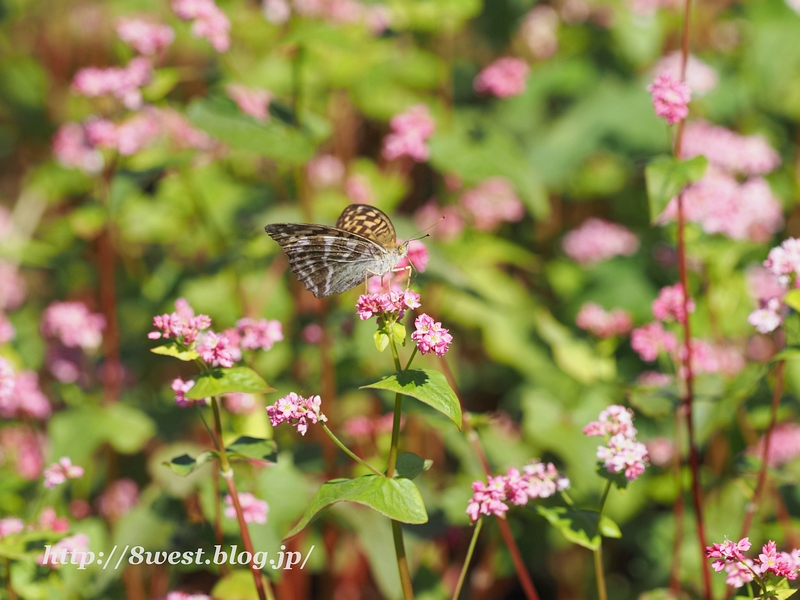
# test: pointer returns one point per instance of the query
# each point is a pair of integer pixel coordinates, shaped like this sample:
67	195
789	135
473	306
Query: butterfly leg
407	268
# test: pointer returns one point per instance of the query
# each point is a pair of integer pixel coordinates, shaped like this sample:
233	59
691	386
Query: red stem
678	513
218	520
519	564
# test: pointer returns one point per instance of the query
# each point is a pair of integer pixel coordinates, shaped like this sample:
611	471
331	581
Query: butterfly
331	260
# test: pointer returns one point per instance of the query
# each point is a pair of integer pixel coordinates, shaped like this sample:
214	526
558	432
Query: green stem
598	553
9	588
468	558
347	451
413	354
603	500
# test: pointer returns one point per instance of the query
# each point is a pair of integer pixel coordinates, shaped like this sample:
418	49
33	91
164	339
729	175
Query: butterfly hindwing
369	222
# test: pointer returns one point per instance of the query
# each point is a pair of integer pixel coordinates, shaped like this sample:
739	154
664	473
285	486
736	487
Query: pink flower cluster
393	302
69	546
240	403
601	323
128	137
539	31
254	334
124	83
181	388
7	382
59	472
251	101
784	445
72	149
503	78
7	331
359	189
10	526
445	229
362	426
537	480
325	171
181	325
208	21
649	340
669	306
782	266
597	240
73	325
622	454
430	336
741	570
143	36
491	203
699	76
216	349
12	285
22	447
416	257
25	399
728	150
178	595
670	97
118	499
410	132
253	509
296	410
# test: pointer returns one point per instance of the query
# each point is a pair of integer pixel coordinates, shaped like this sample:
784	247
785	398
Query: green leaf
792	299
667	176
274	140
381	340
427	386
255	448
176	350
410	466
777	594
608	528
236	585
126	428
184	464
787	354
398	499
399	333
225	381
578	526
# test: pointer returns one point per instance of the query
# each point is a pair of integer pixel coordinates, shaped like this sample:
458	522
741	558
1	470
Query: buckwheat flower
516	487
504	78
543	480
359	189
178	595
251	101
10	526
598	240
143	36
73	325
491	203
74	545
649	340
297	411
784	445
739	574
728	550
181	388
394	302
488	499
766	319
358	427
763	286
539	31
669	306
27	400
601	323
259	333
313	333
613	420
182	324
700	77
138	132
653	379
646	8
181	133
772	562
446	229
410	132
325	171
50	521
239	403
660	450
670	97
784	260
72	149
624	455
7	383
430	336
59	472
208	21
118	499
22	448
276	12
728	150
253	509
124	83
7	331
80	509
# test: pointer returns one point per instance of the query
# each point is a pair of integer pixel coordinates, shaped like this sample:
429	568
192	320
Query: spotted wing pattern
370	222
331	260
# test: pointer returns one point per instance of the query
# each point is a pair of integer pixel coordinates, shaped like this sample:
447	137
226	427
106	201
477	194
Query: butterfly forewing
370	222
331	260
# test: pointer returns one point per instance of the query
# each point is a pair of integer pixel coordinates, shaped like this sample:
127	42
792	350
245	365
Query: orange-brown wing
369	222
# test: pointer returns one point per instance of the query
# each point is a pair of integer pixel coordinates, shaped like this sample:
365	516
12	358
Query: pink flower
728	150
118	499
240	404
653	379
763	286
72	149
313	333
670	97
297	411
70	547
10	526
277	12
699	76
543	480
259	333
127	138
359	189
647	7
491	203
358	427
143	36
503	78
7	384
594	319
182	324
7	331
26	399
597	240
612	421
324	171
768	318
669	306
430	336
22	447
539	31
50	521
12	287
73	325
784	445
123	83
446	229
251	101
178	595
393	302
784	260
650	340
181	388
209	21
624	455
410	130
488	499
59	472
660	450
253	509
181	132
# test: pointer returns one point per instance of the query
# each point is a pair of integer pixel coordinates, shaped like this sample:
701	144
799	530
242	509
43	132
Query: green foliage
224	381
667	176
